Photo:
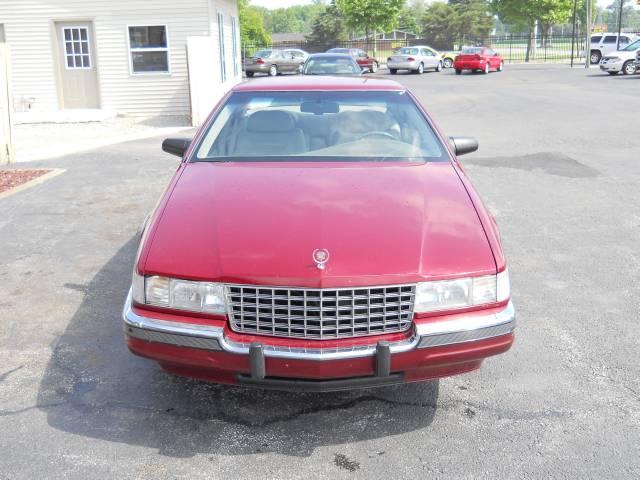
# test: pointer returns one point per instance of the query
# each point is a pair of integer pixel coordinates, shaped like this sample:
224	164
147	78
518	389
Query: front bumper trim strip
426	335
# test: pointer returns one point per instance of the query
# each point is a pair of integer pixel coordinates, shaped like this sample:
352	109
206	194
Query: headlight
201	297
462	293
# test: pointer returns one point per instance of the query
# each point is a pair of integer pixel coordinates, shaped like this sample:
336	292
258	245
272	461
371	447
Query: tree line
441	22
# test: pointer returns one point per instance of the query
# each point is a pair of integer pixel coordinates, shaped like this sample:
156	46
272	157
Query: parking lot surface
558	167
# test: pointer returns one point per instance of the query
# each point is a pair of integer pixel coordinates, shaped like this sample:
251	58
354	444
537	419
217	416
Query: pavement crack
4	376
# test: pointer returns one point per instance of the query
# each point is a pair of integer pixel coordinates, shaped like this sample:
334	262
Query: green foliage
328	28
371	15
525	13
295	19
444	24
252	31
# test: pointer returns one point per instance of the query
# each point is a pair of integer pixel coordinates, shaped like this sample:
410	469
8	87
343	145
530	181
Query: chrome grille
320	313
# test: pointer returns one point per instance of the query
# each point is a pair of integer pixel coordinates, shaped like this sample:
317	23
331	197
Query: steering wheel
377	134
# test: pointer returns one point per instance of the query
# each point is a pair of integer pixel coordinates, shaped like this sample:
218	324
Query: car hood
623	55
259	223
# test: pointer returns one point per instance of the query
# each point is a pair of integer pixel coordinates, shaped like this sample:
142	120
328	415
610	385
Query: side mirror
463	145
176	146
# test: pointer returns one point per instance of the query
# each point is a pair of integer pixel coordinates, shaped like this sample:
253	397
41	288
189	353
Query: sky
288	3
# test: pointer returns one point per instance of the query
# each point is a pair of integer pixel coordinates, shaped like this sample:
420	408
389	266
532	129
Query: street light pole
587	47
573	29
619	24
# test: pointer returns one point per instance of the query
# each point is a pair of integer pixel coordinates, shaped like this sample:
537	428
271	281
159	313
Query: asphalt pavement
558	167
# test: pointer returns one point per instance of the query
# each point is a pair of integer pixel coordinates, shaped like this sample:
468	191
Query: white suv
603	43
623	60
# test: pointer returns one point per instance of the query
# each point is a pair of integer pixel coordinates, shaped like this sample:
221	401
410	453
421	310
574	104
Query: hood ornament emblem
321	257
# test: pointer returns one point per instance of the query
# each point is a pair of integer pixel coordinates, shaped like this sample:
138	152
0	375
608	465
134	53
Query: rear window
408	51
262	54
472	51
328	65
320	126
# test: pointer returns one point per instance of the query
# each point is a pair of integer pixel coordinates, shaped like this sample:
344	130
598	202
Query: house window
148	49
223	63
76	47
234	45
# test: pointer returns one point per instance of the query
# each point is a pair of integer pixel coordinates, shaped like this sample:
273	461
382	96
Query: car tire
458	71
420	70
486	70
447	63
629	67
501	67
595	57
439	67
374	67
250	74
273	70
393	71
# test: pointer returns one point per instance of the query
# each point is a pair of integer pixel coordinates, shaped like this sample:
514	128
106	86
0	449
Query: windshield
632	47
408	51
327	65
472	51
319	126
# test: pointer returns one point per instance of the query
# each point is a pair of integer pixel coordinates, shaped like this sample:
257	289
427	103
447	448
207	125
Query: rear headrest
274	121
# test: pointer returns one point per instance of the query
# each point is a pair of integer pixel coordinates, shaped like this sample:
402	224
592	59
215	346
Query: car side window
610	39
489	52
427	52
596	39
624	40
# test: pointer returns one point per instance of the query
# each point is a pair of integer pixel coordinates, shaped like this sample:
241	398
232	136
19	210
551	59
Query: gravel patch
13	178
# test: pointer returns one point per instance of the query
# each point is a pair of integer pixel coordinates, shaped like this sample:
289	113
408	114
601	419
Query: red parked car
481	59
319	234
364	60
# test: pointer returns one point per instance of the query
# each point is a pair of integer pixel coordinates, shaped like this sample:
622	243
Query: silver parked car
275	61
415	59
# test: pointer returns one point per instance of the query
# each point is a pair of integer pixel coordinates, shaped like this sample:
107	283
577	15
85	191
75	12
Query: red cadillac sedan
481	59
319	234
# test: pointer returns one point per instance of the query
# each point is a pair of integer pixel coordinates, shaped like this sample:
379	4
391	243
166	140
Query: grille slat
320	313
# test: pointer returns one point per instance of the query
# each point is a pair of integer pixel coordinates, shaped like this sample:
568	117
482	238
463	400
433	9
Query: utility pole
573	29
587	47
619	24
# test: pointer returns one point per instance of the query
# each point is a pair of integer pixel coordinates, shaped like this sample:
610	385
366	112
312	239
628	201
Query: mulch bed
13	178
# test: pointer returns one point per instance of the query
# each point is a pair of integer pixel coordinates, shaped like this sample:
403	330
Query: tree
527	13
252	31
328	28
371	15
445	24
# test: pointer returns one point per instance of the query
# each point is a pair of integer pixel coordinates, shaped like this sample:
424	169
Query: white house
125	56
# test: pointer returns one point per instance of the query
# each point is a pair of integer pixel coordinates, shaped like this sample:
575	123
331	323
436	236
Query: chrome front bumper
449	332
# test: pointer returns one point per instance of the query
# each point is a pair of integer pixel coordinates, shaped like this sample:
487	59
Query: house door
78	74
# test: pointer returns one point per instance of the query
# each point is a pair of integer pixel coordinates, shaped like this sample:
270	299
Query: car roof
330	55
318	83
416	46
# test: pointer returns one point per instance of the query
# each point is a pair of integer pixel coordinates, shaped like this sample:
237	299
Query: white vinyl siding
29	28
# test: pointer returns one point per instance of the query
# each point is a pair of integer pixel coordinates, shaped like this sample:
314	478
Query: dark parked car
331	64
364	60
274	61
